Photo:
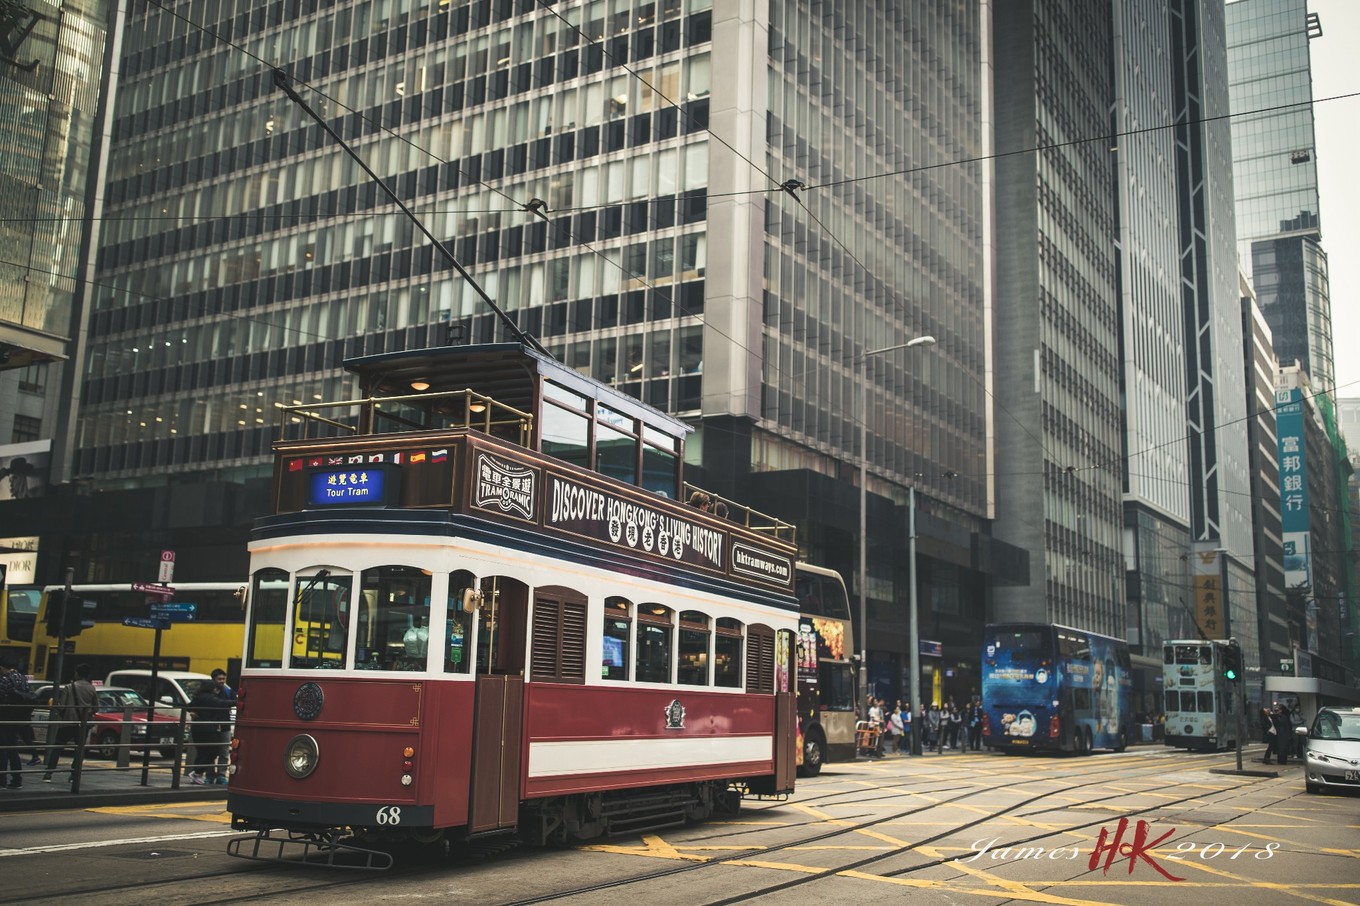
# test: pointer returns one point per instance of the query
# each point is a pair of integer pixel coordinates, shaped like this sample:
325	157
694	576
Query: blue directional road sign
176	612
147	622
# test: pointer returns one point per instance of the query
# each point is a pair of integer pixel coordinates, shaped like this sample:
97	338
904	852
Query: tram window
616	448
1206	703
1188	702
614	655
760	660
727	653
1081	699
565	435
1173	701
557	652
692	667
659	462
654	644
320	620
394	619
459	627
268	607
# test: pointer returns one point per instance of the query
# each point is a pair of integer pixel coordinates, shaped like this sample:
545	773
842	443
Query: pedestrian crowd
942	727
74	704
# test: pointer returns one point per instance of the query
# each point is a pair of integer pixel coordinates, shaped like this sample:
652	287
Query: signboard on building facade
1210	605
1289	424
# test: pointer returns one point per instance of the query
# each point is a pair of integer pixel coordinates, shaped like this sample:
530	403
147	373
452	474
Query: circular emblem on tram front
307	701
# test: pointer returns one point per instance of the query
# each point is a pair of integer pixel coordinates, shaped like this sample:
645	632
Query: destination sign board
147	622
176	611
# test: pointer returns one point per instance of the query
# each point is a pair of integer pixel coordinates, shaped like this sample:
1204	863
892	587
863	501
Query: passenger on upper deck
701	501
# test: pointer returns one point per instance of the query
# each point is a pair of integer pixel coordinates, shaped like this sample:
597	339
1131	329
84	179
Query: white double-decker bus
1201	704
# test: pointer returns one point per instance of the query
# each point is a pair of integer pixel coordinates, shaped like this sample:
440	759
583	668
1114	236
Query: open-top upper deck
502	433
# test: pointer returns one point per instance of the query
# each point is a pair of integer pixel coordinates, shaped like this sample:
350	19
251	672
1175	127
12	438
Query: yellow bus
213	638
826	674
18	615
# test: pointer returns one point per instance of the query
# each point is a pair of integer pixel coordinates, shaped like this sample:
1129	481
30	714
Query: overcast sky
1336	71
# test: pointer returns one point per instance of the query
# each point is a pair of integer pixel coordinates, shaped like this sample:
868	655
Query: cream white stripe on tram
598	756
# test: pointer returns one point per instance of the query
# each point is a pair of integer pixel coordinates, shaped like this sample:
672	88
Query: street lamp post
864	550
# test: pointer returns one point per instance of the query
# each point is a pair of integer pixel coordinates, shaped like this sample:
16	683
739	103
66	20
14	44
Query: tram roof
506	372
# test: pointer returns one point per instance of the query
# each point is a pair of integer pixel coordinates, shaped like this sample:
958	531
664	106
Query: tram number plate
388	814
1353	776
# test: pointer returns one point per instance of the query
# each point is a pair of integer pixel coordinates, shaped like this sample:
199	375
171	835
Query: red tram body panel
452	632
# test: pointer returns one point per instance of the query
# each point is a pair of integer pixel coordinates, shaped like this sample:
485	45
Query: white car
173	691
1331	750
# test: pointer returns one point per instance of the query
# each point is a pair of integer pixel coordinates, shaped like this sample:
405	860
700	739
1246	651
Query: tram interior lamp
420	385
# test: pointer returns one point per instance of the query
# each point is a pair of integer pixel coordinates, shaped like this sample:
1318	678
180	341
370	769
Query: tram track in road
1120	771
964	785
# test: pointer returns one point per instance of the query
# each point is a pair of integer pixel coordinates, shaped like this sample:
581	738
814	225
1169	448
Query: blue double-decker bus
1054	688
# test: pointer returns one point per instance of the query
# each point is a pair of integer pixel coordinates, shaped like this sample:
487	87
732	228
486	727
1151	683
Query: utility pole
61	635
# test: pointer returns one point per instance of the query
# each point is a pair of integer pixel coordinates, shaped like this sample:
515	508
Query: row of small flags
321	462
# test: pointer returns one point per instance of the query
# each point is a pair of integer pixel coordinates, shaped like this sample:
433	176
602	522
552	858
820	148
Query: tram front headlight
301	756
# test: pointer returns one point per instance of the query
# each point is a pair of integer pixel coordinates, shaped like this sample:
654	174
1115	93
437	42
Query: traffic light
1232	663
76	609
56	607
67	616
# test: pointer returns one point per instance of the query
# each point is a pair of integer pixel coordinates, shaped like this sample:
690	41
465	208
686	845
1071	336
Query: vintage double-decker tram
481	606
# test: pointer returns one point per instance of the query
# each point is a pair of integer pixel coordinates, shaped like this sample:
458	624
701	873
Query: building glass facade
1275	178
718	208
1057	364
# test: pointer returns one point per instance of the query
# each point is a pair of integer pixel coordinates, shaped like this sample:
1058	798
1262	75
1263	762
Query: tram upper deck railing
411	446
447	410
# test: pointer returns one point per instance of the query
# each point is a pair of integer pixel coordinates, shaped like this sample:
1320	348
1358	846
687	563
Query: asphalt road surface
1150	826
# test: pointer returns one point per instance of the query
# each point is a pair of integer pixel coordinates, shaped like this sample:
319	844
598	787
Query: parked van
173	691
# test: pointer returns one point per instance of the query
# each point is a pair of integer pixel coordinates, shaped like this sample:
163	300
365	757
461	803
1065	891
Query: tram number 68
388	814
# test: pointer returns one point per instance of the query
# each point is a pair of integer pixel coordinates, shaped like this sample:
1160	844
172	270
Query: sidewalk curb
59	799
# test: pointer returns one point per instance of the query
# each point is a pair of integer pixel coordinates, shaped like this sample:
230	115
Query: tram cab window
461	606
1173	701
654	638
692	666
321	611
614	654
1206	703
394	619
268	608
727	653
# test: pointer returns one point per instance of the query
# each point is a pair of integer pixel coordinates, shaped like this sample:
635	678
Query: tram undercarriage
558	820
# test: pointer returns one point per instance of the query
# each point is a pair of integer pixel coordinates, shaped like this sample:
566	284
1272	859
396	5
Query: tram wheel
1077	748
1123	742
814	755
1088	744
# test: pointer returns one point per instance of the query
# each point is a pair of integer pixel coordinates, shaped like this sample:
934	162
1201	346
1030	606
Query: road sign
176	612
147	622
148	588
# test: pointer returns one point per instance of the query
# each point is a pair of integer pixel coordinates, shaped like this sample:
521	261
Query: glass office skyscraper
1279	227
1057	362
719	208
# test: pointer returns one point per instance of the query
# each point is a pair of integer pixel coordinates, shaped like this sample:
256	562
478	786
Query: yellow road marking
164	810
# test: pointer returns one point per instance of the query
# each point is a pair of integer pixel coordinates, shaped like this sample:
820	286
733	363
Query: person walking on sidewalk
73	705
16	706
211	708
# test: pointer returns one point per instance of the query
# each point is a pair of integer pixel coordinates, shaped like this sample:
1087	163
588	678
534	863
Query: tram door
497	742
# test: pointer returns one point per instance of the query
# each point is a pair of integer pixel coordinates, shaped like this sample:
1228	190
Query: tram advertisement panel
506	487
